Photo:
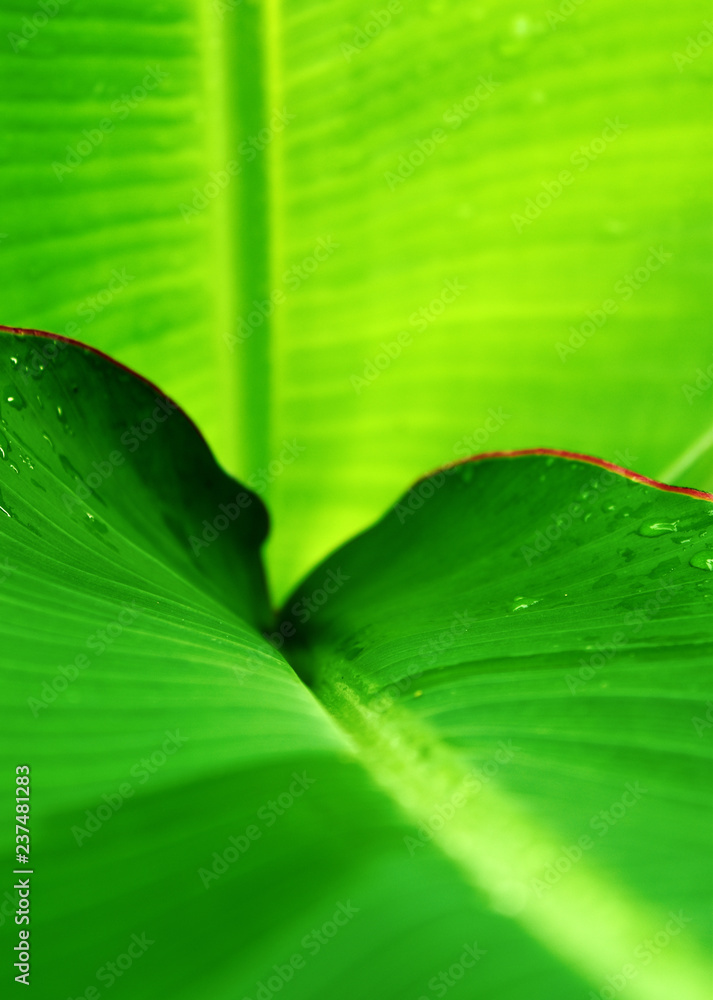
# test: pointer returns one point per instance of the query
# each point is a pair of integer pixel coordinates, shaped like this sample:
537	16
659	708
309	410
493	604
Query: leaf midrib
592	924
240	87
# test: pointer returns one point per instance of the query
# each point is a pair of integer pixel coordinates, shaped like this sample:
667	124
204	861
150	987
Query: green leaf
199	825
485	368
540	624
203	826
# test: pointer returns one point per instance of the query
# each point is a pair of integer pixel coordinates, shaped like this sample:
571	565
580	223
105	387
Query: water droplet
14	362
652	529
48	439
523	602
703	560
4	507
417	694
627	554
15	398
61	416
14	468
608	507
93	523
682	540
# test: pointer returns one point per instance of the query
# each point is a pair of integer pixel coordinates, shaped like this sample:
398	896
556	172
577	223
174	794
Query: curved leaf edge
601	463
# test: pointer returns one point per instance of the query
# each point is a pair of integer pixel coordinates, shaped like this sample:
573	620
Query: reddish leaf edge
483	456
575	457
45	334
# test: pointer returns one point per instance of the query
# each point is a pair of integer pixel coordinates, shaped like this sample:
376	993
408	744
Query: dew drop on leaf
652	529
703	560
14	398
99	526
523	602
4	507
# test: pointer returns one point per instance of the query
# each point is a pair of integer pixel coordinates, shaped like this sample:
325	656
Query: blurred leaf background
353	93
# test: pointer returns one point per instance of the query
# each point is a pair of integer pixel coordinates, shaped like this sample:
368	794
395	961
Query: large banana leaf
494	781
422	145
